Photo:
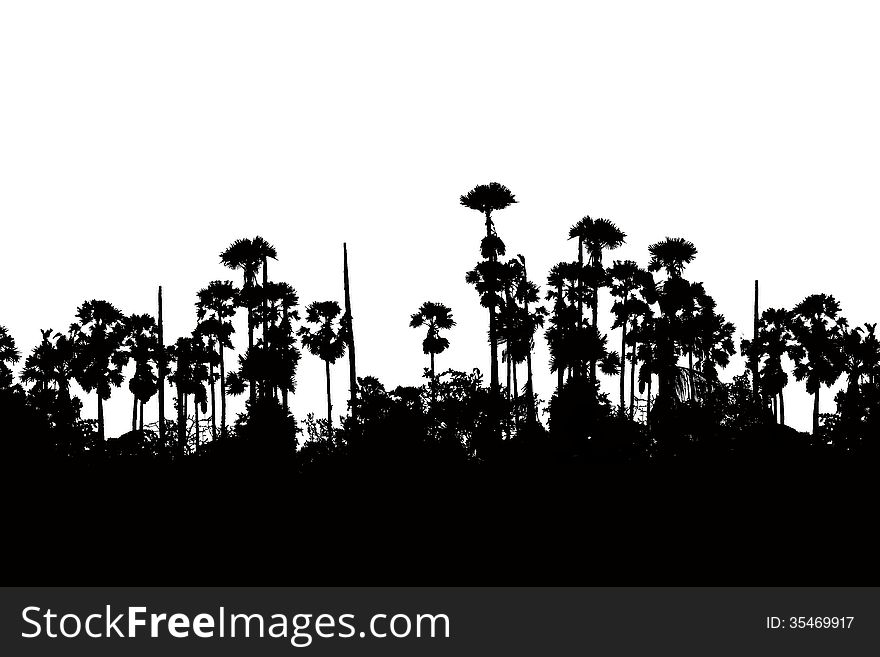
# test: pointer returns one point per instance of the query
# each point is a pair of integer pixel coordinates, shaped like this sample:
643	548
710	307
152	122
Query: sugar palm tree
672	254
438	318
674	296
284	355
9	355
596	236
214	308
49	367
142	342
248	255
626	278
527	318
99	337
39	366
487	199
817	329
326	341
774	340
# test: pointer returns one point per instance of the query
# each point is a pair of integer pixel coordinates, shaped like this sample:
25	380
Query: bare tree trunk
781	408
352	370
754	355
134	412
816	413
160	365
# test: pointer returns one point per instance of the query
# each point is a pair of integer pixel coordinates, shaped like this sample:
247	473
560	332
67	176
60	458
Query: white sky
138	139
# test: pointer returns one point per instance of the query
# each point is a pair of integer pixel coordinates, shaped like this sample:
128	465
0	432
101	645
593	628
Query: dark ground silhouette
686	477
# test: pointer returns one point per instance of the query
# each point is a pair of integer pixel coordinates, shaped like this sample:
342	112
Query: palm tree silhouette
486	199
214	308
49	367
39	366
774	340
9	355
249	255
279	354
524	318
597	236
327	342
817	328
674	296
438	318
142	342
626	277
99	337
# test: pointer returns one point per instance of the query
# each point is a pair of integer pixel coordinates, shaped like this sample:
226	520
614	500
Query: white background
138	139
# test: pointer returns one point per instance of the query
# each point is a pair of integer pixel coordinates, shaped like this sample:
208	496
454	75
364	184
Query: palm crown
672	254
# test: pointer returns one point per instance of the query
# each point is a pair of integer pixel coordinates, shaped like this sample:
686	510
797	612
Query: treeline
671	403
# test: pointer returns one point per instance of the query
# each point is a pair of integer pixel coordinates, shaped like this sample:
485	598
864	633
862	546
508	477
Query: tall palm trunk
329	402
595	305
198	432
100	423
213	396
181	422
560	370
754	356
433	382
533	411
507	363
252	384
493	337
632	381
515	395
816	412
222	393
580	282
691	373
285	319
160	366
623	366
264	386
